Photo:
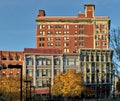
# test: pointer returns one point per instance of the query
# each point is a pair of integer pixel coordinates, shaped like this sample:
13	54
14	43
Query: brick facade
71	33
10	58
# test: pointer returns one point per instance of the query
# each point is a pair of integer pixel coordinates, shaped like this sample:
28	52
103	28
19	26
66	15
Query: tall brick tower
71	33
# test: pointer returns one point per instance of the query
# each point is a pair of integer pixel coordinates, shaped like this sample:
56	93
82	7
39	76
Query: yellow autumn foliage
11	86
67	84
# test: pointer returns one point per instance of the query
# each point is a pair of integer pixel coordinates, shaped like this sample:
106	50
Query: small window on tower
49	26
81	32
41	45
81	26
42	26
81	44
57	26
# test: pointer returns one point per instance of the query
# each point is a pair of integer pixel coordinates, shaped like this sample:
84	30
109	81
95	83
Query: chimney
89	10
41	13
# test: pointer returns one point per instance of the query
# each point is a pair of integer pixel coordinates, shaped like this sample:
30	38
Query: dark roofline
42	51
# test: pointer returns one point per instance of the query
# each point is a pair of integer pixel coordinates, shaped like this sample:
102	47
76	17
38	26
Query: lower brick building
10	58
96	66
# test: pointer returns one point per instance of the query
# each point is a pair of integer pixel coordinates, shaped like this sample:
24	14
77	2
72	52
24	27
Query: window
70	62
97	26
66	50
75	38
57	26
4	57
104	31
97	43
43	61
102	58
66	44
66	26
38	72
50	39
81	26
81	57
104	37
81	38
66	38
29	61
75	32
17	57
81	32
44	72
97	37
39	61
42	33
39	83
11	57
42	39
3	66
58	38
81	44
56	61
104	44
107	58
48	61
58	44
104	26
42	26
50	33
75	26
41	45
87	57
58	32
66	32
48	73
50	44
97	58
97	32
30	73
92	58
50	26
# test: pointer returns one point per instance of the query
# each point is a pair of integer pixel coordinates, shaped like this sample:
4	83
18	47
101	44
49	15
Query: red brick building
10	58
71	33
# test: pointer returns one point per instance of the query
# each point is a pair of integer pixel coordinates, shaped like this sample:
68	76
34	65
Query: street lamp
97	83
33	91
28	81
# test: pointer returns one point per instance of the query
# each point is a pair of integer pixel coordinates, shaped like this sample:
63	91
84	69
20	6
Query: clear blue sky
17	18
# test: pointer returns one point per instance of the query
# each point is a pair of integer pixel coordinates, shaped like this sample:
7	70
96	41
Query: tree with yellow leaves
10	88
67	84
